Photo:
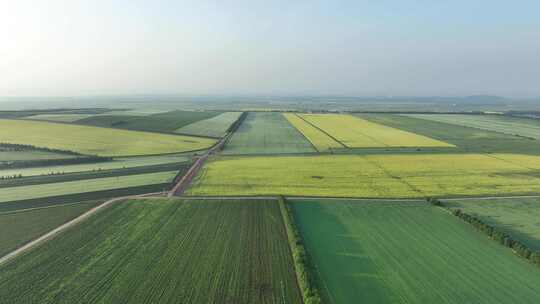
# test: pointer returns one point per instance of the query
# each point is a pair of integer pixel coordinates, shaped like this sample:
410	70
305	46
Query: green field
216	126
503	124
161	251
519	217
384	252
371	176
20	227
466	139
42	202
81	186
119	163
267	133
67	177
96	141
27	155
59	117
159	122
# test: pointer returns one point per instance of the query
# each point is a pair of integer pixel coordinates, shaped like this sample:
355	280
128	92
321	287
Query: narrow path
187	178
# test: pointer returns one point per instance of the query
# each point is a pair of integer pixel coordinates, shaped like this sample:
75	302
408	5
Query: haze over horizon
355	48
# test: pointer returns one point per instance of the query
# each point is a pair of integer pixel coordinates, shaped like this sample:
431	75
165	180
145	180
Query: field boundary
305	280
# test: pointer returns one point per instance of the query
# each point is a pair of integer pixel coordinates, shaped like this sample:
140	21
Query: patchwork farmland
284	207
503	124
216	126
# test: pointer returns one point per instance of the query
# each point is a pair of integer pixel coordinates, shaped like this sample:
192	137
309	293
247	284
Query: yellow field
355	132
321	141
94	140
378	176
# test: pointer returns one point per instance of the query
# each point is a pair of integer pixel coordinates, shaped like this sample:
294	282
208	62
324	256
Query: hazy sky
355	47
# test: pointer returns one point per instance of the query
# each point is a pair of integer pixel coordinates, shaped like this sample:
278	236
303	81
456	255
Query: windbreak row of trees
53	162
492	232
305	272
22	147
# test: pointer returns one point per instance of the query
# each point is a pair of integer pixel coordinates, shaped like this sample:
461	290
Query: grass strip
302	264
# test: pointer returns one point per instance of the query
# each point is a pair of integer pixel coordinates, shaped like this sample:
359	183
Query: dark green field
407	252
79	197
20	227
161	251
267	133
162	122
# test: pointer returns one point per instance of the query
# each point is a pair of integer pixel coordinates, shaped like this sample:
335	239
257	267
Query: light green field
380	176
216	126
267	133
94	140
82	186
355	132
502	124
59	117
519	217
129	162
161	251
383	252
20	227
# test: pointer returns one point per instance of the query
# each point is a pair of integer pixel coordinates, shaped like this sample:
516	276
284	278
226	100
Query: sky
302	47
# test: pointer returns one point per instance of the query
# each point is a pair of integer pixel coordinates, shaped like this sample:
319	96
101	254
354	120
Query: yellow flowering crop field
355	132
372	176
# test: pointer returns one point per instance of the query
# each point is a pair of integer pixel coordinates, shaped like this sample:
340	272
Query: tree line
493	233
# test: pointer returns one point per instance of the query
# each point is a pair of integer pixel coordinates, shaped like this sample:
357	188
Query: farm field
20	227
355	132
59	117
267	133
11	156
216	126
66	177
519	217
319	139
388	252
371	176
159	122
81	186
118	163
160	250
96	141
503	124
466	139
136	112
